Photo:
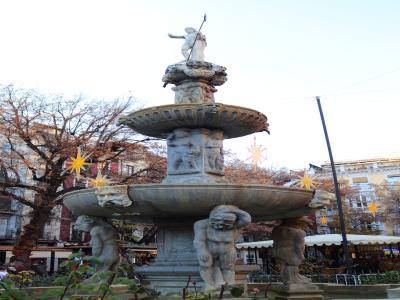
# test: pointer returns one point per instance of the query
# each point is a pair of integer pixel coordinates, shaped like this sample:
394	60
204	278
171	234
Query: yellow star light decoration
256	154
323	220
373	208
306	182
100	181
78	163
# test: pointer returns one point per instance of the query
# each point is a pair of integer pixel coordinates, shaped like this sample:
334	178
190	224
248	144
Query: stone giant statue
194	40
288	249
103	241
214	241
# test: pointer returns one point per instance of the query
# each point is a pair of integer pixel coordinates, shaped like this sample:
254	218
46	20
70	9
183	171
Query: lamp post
337	190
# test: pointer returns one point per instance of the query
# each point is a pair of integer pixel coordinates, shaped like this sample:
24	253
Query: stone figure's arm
200	234
176	36
96	242
244	217
200	242
298	244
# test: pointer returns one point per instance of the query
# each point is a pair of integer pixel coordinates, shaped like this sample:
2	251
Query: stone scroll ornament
214	241
103	241
288	249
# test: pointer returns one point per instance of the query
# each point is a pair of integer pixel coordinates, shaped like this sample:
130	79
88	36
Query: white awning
331	239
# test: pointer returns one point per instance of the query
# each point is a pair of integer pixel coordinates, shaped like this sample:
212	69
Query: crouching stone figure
103	241
288	249
214	241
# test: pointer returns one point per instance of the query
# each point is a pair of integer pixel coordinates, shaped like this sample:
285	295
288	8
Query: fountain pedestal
299	291
176	261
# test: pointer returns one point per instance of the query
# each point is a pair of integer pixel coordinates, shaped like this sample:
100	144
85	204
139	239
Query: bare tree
39	133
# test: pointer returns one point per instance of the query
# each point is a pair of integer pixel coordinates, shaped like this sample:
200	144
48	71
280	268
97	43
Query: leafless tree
39	133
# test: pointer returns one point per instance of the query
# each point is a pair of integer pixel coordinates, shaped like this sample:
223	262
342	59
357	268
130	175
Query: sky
279	55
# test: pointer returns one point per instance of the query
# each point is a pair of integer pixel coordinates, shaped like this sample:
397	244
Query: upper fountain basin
159	121
197	200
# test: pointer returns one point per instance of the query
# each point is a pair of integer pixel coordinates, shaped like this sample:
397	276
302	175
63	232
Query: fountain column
195	156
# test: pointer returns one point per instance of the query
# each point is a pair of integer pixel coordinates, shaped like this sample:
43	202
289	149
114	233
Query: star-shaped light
78	163
256	154
373	208
323	220
100	181
306	182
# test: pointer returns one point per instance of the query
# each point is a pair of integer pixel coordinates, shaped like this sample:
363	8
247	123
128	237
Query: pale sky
279	55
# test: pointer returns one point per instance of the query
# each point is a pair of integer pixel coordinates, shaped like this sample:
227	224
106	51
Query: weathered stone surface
194	41
214	241
263	202
194	152
160	121
242	271
176	261
305	292
103	241
393	293
288	250
115	196
194	92
202	71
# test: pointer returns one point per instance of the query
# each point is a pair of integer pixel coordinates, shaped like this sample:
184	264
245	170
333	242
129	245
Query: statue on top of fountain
214	241
194	78
195	41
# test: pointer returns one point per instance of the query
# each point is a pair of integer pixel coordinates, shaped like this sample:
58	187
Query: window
364	200
358	202
250	259
130	170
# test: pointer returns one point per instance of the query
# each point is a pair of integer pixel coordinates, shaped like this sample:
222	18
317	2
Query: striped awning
331	239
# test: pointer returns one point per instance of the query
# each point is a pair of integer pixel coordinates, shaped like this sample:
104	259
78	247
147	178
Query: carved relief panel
192	151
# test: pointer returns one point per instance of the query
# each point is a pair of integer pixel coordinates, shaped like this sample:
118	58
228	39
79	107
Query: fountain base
299	291
175	266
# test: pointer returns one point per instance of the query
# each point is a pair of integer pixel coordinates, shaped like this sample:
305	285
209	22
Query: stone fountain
197	212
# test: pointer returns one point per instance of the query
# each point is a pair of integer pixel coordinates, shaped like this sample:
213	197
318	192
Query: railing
338	278
261	277
374	278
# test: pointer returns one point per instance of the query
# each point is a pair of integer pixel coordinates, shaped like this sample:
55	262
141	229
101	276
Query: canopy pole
337	190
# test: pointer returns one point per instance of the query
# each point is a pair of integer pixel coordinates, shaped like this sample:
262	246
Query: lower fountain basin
186	200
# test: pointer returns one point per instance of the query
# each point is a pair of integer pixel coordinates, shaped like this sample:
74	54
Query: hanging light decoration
373	208
78	163
256	154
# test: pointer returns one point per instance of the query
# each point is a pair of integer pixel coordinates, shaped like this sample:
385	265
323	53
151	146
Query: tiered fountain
195	127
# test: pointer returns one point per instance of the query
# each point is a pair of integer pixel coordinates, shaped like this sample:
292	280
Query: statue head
217	134
86	223
301	223
221	219
190	30
113	196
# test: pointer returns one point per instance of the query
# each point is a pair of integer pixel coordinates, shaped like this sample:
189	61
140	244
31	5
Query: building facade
373	205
